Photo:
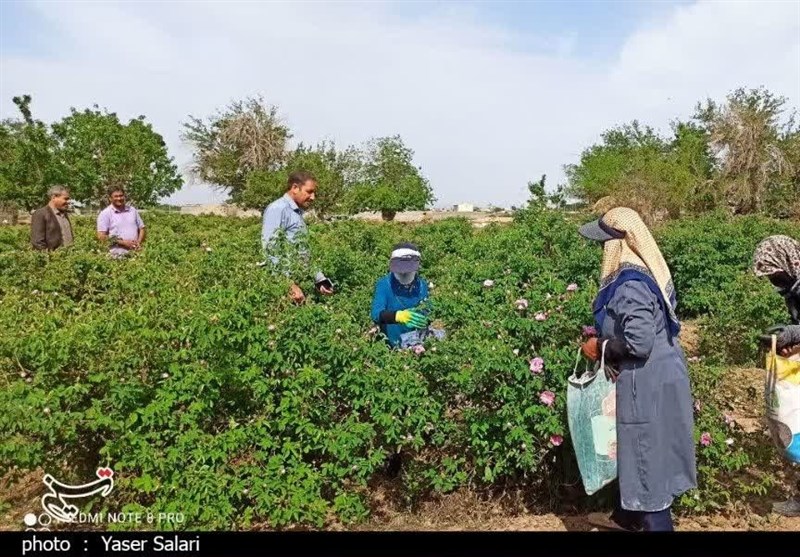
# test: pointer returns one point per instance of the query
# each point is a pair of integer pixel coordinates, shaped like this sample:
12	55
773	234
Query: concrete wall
219	209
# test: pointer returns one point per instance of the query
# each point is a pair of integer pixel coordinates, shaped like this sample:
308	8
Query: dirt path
19	495
552	522
465	511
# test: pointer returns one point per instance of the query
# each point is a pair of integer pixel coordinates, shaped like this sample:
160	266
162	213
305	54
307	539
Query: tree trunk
8	214
387	214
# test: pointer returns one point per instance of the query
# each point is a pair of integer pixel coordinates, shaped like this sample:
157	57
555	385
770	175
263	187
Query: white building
464	208
223	210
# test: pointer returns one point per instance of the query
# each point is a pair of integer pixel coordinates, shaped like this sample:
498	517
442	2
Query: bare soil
464	511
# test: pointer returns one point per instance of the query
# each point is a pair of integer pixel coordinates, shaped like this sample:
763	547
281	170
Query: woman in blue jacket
398	293
638	328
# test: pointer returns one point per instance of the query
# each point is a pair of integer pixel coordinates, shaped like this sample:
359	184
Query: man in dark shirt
50	225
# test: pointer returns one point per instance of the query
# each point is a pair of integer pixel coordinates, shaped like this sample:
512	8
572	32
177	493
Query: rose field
188	371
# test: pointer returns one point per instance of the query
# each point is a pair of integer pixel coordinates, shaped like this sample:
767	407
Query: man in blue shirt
285	215
397	293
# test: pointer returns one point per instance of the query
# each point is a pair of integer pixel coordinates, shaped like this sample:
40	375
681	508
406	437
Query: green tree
637	167
333	170
245	137
783	199
619	153
28	159
746	133
98	151
540	199
386	180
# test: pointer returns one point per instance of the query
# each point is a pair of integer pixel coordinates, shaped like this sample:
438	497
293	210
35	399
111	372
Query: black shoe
393	465
788	508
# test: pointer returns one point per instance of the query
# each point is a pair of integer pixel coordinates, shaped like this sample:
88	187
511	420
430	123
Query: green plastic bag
592	418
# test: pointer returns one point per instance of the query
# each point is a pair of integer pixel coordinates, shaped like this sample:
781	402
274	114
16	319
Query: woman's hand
789	351
411	319
788	338
591	349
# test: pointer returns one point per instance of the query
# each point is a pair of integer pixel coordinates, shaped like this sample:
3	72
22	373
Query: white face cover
405	278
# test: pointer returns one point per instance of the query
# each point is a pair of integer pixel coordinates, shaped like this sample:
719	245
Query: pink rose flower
522	303
572	287
537	365
556	440
541	316
547	398
729	420
705	439
419	349
589	331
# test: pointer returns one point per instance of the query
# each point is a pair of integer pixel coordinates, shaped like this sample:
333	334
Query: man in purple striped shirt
120	224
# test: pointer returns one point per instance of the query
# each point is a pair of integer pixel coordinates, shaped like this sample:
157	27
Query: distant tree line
88	151
244	150
742	156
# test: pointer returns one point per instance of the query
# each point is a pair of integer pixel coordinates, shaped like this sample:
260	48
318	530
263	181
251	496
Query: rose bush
188	371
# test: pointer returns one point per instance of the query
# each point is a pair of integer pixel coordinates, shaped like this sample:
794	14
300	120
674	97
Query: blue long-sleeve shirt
392	296
284	214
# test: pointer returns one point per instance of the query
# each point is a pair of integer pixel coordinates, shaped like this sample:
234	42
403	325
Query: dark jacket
45	230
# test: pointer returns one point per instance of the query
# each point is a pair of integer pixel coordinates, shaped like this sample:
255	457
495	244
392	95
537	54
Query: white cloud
485	108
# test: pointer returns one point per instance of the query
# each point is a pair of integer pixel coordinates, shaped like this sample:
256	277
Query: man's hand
128	244
325	290
296	294
591	349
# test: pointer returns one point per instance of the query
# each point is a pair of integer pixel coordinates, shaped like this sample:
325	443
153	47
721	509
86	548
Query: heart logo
104	472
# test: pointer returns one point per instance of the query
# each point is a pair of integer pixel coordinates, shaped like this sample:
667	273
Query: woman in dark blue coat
638	329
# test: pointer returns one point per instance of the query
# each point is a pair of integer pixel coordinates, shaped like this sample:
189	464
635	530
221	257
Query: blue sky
488	94
20	29
599	26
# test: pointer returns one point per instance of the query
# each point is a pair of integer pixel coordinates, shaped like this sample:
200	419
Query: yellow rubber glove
411	319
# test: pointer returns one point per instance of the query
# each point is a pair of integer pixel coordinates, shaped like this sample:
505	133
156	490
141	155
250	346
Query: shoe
604	521
787	508
393	465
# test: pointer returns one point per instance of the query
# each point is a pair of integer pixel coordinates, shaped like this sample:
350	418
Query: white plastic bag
782	393
592	418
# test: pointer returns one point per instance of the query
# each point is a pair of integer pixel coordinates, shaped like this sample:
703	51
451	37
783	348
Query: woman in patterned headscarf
638	328
778	259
